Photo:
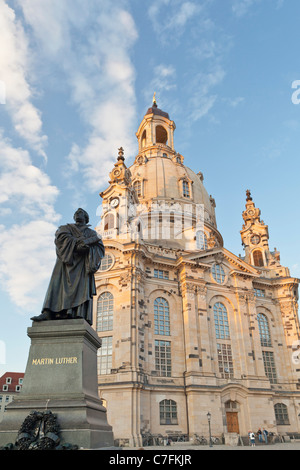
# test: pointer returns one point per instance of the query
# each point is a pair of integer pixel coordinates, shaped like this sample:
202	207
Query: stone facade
188	327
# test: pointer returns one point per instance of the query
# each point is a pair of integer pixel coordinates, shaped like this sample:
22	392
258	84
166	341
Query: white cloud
26	262
99	73
15	66
24	185
27	249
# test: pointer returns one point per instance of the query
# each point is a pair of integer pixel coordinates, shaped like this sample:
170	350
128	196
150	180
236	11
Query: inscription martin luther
45	361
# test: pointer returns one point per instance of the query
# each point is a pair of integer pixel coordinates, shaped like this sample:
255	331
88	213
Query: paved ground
295	445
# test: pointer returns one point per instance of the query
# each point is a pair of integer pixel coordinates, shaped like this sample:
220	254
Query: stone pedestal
61	376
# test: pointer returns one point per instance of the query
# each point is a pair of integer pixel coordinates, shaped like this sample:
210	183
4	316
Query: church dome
164	178
159	175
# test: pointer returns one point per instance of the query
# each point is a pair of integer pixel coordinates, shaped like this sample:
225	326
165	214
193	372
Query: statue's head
81	215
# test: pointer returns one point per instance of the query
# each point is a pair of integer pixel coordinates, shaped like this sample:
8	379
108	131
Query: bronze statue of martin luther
79	251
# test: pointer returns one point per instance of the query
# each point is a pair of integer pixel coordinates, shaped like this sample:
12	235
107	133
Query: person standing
260	435
265	433
251	438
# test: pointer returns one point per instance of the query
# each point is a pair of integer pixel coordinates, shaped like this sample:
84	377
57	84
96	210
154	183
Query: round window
255	239
106	262
218	273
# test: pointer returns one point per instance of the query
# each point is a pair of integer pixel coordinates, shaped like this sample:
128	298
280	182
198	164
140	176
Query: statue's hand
81	247
92	240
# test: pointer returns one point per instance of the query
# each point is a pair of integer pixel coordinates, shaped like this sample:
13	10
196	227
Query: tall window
137	185
269	364
105	311
168	412
144	138
109	222
105	356
186	189
221	321
163	358
258	258
201	240
225	361
281	414
161	135
161	317
264	330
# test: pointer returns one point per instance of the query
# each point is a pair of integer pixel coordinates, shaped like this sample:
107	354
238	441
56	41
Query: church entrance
232	422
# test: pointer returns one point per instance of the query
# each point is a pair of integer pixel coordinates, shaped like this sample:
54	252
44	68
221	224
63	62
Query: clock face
114	202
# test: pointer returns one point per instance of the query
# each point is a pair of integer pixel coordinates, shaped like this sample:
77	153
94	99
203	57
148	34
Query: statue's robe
72	284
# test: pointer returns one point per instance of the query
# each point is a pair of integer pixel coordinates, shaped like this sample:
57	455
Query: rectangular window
269	364
168	412
105	356
163	358
259	292
159	274
186	189
225	360
281	414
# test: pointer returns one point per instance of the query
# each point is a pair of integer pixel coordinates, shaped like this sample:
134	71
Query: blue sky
79	76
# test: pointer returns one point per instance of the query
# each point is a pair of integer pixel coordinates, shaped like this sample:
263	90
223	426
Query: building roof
14	376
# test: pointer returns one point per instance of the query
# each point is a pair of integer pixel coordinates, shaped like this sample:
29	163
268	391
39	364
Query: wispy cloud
99	73
15	67
204	97
241	7
189	23
26	257
176	17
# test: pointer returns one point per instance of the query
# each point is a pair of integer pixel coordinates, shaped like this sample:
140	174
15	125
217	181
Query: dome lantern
156	129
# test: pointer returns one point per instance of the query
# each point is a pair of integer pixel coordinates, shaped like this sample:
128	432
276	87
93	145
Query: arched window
201	240
161	135
109	222
161	317
168	412
105	311
221	321
281	414
137	186
106	262
258	258
144	138
264	330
